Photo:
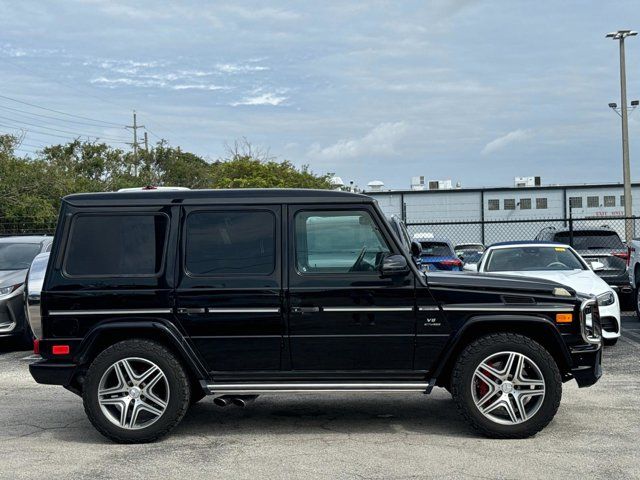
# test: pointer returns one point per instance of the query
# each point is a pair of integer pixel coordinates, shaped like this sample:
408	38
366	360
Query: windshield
436	249
591	240
525	259
17	256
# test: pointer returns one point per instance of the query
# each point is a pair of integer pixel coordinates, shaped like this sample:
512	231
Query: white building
475	205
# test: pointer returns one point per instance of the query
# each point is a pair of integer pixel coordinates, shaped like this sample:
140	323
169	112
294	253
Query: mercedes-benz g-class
152	300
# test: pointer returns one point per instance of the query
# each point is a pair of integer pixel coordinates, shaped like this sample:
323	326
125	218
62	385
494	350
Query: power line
58	119
52	134
104	137
75	89
60	112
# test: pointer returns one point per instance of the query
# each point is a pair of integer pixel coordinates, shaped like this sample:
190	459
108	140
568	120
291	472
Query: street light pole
626	170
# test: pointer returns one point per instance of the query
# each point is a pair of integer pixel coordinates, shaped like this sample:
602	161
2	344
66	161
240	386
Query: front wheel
506	386
136	391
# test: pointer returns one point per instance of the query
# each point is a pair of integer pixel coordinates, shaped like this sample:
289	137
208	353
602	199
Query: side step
255	388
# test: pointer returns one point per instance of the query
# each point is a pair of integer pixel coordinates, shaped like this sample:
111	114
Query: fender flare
157	326
502	323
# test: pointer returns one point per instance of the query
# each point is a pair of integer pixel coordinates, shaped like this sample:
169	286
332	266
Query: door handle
191	311
305	309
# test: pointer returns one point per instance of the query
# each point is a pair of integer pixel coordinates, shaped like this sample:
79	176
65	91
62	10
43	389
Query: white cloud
273	99
505	140
262	13
198	87
381	140
236	68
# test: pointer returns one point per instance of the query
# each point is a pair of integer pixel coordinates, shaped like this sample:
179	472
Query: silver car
16	255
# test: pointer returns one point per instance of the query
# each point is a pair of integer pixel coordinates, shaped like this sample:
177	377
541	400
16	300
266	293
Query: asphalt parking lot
44	434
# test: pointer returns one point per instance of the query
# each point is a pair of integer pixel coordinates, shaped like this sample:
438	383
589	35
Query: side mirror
597	266
416	248
470	267
394	265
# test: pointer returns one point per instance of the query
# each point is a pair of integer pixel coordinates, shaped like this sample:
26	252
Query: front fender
538	328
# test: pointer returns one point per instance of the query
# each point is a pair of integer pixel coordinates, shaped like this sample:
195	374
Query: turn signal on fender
564	317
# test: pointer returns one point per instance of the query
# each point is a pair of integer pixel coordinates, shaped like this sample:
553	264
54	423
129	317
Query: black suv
601	244
153	299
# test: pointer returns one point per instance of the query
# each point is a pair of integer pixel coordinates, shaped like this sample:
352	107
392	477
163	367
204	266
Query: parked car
469	253
562	264
152	300
602	245
16	254
634	272
437	253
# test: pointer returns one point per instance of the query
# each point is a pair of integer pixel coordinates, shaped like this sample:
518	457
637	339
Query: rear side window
116	245
222	243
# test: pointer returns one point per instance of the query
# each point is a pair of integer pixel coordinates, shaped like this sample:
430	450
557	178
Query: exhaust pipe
222	401
243	400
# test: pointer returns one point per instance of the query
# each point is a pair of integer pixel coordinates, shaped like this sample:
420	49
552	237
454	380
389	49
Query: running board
254	388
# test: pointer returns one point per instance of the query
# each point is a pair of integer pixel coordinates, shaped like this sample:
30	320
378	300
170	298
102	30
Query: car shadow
310	415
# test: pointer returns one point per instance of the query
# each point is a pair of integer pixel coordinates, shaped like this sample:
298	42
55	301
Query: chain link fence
493	231
10	228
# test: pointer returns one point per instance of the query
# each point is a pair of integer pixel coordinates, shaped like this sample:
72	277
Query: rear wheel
506	386
136	391
609	342
637	300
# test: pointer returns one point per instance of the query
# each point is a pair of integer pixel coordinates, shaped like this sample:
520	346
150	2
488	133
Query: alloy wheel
133	393
508	388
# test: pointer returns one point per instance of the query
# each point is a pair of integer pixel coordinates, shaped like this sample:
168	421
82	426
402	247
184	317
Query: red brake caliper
482	387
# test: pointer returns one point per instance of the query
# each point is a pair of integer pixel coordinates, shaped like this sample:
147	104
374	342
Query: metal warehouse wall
472	205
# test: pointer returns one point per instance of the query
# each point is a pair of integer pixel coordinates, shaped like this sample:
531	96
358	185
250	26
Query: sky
473	91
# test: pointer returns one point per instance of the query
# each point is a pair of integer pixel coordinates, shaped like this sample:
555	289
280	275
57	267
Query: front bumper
13	320
610	320
587	364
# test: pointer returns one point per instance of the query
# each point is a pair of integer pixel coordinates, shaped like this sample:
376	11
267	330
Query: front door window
338	242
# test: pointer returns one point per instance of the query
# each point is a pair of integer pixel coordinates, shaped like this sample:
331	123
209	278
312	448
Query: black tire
636	300
177	380
609	342
482	348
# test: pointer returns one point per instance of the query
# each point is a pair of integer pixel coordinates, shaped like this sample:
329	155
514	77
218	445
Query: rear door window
103	245
231	242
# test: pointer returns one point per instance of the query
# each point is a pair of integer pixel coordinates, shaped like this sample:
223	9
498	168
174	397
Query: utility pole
626	170
135	128
146	142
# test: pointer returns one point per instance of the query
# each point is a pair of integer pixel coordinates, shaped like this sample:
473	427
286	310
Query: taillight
60	349
452	263
630	251
36	346
626	256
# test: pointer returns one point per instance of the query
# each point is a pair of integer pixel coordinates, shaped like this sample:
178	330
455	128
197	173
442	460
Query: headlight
607	298
9	289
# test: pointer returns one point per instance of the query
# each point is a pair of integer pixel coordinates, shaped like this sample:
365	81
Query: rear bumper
587	365
621	282
50	373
